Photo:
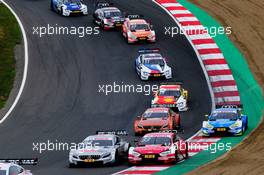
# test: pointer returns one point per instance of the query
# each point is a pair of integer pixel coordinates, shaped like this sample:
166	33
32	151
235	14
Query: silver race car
102	148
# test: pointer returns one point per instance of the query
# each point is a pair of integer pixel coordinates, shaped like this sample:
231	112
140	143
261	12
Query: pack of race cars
157	125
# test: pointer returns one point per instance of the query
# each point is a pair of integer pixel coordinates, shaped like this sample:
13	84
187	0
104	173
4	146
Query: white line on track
25	64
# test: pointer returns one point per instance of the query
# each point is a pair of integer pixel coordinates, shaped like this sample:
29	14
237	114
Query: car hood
94	151
221	123
151	149
73	6
142	33
165	100
153	122
155	68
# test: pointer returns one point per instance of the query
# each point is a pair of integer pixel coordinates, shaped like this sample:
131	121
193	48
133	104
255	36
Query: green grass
10	35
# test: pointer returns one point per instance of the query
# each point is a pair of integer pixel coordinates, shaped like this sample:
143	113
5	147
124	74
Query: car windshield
2	172
166	141
110	14
155	114
175	93
154	61
94	142
139	27
223	115
73	1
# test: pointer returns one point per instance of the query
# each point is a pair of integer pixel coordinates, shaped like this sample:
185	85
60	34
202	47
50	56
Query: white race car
12	167
150	64
100	149
68	7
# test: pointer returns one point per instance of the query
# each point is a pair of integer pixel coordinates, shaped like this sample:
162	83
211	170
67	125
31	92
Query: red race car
171	95
156	119
162	147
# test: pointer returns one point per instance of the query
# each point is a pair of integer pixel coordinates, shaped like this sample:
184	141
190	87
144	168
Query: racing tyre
116	158
51	5
186	151
176	157
178	122
72	165
61	11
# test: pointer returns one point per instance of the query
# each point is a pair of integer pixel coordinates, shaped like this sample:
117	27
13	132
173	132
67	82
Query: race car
150	64
68	7
135	29
108	17
160	147
12	167
171	95
156	119
103	148
227	119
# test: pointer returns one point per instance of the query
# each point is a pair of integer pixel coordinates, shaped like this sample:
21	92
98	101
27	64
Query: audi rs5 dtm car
135	29
161	147
150	64
108	17
68	7
12	167
171	95
227	120
156	119
102	148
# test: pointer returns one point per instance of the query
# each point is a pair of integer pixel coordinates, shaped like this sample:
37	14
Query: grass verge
10	36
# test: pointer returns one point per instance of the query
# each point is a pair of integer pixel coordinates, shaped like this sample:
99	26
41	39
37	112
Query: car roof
5	166
137	21
159	134
152	56
170	87
157	110
110	9
101	136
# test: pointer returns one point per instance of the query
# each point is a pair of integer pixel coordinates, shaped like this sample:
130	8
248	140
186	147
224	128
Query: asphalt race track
61	101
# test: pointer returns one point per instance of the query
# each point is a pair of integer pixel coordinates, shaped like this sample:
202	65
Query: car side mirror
151	26
154	93
118	144
185	94
138	117
206	116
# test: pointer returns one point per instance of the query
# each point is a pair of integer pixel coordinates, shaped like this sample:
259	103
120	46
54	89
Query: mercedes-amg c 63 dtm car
102	148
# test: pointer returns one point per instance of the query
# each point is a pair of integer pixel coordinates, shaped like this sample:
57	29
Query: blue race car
68	7
151	64
226	120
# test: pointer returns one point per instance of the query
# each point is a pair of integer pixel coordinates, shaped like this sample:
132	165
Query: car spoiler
153	50
103	4
133	16
172	83
113	132
20	161
235	106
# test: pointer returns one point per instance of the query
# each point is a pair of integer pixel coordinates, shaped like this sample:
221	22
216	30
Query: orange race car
135	29
157	119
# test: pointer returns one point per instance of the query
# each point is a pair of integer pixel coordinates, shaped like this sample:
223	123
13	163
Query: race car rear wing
103	4
172	83
113	132
236	106
154	50
20	161
134	16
